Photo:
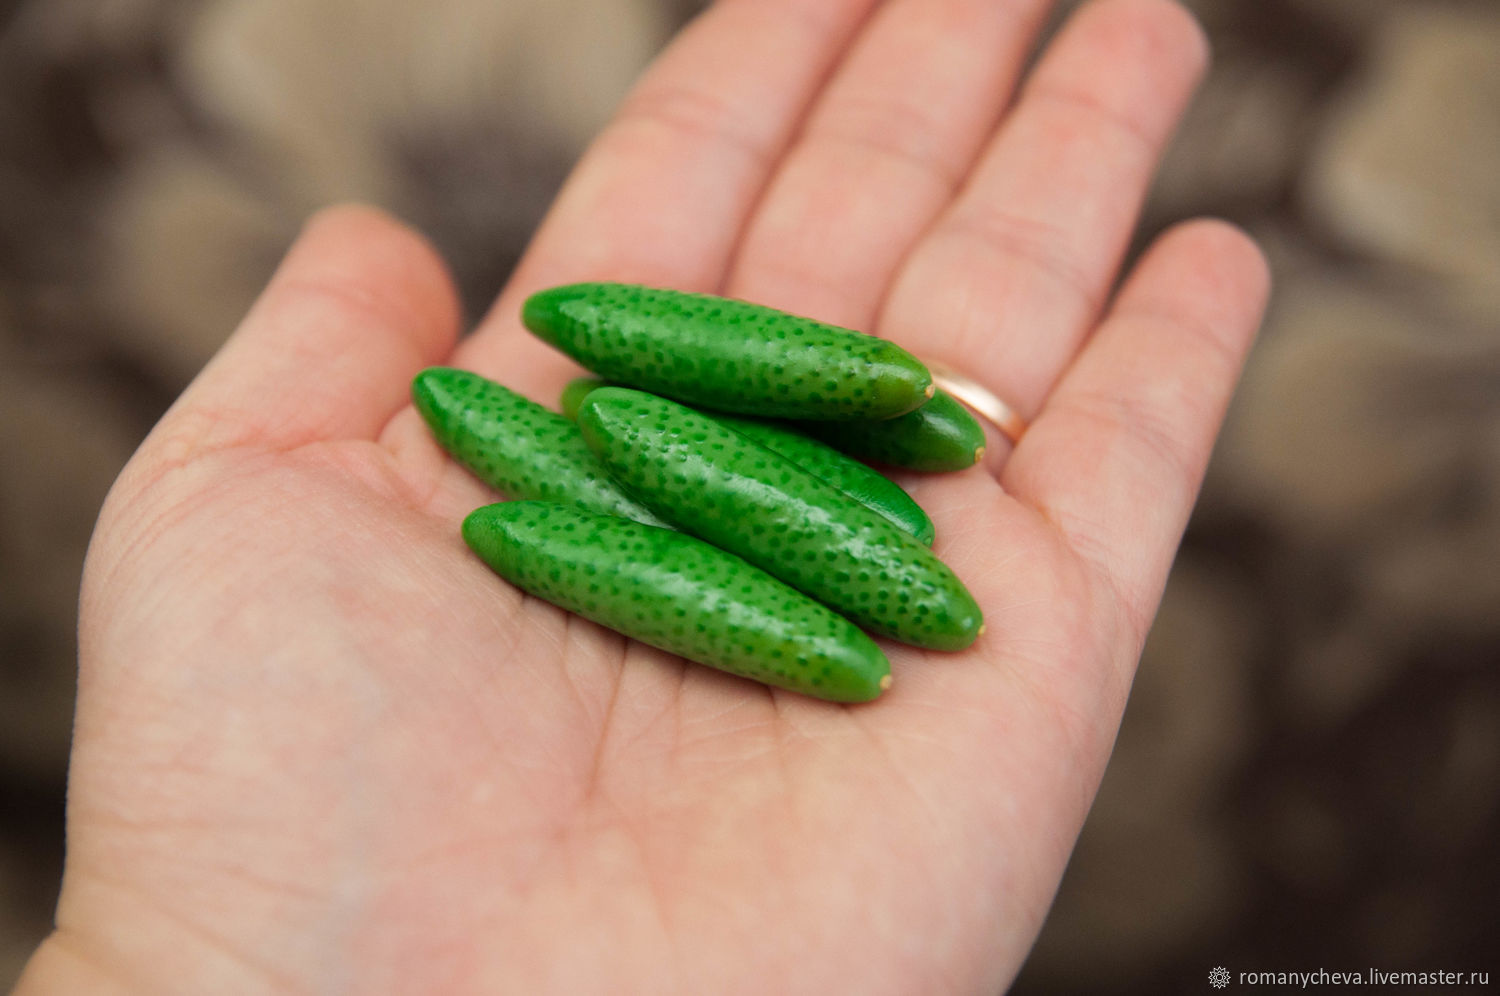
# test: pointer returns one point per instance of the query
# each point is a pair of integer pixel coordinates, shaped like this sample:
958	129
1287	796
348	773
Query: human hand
320	747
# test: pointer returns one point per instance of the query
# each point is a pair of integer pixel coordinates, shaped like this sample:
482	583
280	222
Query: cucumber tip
931	389
885	682
978	453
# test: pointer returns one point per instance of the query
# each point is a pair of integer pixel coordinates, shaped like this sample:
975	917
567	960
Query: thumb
357	307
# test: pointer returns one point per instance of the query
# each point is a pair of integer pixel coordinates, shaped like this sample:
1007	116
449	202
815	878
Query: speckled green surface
939	436
727	355
515	445
864	484
680	594
714	483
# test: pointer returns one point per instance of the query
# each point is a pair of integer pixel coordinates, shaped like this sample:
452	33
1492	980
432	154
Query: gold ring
980	398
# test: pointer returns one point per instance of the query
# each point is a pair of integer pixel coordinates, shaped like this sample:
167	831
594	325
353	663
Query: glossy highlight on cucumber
679	594
864	484
727	355
715	484
515	445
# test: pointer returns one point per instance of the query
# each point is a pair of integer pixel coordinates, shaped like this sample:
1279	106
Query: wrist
60	966
108	943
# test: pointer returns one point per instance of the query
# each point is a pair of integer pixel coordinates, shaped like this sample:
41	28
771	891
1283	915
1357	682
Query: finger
663	193
359	305
883	151
1009	281
1116	457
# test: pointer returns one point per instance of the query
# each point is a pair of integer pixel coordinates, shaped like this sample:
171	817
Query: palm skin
320	747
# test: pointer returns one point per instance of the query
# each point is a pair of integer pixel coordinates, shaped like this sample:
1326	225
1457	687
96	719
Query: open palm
321	748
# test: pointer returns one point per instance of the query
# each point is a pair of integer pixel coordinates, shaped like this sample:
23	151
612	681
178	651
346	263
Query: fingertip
1181	31
1221	261
1167	27
1158	33
1236	251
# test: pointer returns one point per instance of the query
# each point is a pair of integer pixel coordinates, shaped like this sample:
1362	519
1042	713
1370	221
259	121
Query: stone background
1309	771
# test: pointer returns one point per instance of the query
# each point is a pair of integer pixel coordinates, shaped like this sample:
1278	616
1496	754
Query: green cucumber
939	436
714	483
573	393
679	594
728	355
516	446
865	485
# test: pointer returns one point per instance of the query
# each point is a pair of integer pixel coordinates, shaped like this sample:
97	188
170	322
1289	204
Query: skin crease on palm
320	748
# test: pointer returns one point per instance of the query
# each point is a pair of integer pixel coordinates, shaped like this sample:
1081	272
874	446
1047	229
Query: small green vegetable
573	393
679	594
728	355
716	484
516	446
939	436
865	485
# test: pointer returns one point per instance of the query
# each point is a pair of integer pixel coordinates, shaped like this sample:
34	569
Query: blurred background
1309	772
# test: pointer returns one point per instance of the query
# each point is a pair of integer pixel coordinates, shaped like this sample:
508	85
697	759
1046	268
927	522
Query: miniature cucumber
516	446
716	484
939	436
573	393
728	355
865	485
679	594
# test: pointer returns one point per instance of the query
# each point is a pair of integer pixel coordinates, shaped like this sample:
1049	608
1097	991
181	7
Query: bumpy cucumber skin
716	484
679	594
515	445
727	355
939	436
865	485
